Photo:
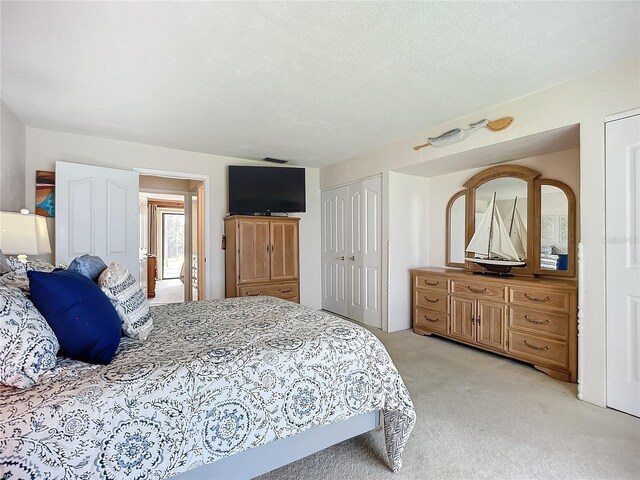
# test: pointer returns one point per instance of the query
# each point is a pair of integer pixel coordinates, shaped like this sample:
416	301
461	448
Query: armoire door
623	263
254	251
284	250
334	250
97	213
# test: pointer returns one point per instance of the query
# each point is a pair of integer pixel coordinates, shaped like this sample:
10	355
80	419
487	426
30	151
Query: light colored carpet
168	291
483	416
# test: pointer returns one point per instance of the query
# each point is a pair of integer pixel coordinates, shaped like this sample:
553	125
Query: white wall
408	243
12	161
585	102
44	147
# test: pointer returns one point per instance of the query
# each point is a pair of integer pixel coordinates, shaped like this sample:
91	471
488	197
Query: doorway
175	238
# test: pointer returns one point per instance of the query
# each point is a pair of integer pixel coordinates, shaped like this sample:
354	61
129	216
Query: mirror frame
500	171
571	243
453	199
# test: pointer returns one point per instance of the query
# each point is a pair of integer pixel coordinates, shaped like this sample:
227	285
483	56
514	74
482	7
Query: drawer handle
431	319
253	294
432	301
534	299
432	284
533	347
526	317
285	291
477	290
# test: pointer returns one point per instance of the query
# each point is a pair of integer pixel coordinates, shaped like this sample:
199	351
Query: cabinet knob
340	258
352	258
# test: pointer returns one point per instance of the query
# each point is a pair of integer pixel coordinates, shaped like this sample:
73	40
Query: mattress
213	379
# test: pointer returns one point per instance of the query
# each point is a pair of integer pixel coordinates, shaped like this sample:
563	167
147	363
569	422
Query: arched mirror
555	242
501	202
456	229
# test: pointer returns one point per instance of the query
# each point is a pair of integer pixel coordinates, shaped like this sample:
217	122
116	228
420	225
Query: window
172	244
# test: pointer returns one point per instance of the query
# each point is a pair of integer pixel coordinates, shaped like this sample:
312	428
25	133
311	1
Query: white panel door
371	251
334	250
355	274
97	213
623	263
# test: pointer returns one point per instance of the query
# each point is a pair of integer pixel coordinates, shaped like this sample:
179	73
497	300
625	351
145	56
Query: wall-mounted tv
266	190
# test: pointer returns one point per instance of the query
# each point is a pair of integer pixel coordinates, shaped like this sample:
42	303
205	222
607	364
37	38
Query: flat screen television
266	190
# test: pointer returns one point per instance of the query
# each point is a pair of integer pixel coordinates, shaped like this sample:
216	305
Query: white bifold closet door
351	251
623	263
97	213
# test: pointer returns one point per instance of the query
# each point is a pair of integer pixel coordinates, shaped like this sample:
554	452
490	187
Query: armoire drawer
540	298
431	299
430	320
539	321
288	291
537	349
477	290
432	282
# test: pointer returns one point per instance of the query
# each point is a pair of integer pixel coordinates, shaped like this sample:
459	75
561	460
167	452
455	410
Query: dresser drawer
539	350
432	282
431	299
540	298
287	291
542	321
430	320
477	290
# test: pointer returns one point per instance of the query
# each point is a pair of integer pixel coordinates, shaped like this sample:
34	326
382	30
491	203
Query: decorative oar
459	134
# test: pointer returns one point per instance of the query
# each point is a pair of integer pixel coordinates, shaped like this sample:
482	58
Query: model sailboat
495	248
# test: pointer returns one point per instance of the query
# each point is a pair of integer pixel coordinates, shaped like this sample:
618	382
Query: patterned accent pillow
4	265
129	300
17	277
28	346
17	266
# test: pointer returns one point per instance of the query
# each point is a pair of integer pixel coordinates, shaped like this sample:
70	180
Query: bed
213	380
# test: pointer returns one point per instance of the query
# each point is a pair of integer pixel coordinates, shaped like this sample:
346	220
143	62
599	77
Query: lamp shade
23	234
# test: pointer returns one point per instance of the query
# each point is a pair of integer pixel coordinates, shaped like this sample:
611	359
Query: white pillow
28	346
129	300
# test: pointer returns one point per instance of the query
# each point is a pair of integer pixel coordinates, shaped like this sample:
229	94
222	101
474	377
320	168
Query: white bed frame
264	458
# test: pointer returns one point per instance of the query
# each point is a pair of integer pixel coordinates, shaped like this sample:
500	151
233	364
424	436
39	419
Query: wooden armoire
262	257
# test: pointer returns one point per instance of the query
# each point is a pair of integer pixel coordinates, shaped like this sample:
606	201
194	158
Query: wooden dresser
151	275
262	257
526	318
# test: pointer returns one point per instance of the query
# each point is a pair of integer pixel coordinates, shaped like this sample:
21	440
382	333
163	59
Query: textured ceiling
314	82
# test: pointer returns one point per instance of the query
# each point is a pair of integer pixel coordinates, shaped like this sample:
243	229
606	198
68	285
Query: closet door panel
371	250
335	282
355	261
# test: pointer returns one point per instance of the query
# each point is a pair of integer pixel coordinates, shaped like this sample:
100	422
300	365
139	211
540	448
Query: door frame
206	213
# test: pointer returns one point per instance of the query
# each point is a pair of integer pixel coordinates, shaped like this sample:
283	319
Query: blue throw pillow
90	266
79	313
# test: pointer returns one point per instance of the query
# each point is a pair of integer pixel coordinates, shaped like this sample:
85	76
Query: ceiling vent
274	160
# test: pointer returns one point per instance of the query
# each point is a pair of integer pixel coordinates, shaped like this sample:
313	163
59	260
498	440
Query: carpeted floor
483	416
168	291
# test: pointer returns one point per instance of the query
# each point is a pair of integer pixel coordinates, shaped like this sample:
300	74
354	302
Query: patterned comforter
213	379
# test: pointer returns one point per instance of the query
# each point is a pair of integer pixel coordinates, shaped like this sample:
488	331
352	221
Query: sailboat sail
491	238
519	235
